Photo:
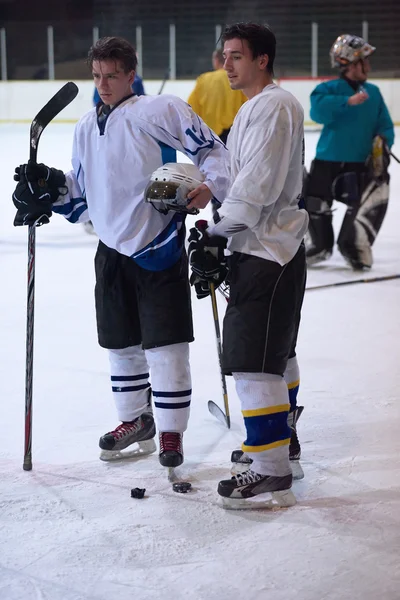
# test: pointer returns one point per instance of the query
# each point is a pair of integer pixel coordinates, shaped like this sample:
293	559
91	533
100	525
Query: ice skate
140	432
314	256
171	452
250	490
294	446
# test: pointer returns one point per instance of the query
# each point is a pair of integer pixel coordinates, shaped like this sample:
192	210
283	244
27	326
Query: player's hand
358	98
199	197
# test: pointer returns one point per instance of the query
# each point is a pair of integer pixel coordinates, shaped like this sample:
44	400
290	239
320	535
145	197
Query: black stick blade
55	105
219	414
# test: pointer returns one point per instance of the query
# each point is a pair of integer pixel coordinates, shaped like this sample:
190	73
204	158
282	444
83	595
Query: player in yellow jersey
214	100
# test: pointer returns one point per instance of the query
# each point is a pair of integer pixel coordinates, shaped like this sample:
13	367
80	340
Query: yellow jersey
214	100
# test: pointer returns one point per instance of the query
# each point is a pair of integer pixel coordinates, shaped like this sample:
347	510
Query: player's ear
263	61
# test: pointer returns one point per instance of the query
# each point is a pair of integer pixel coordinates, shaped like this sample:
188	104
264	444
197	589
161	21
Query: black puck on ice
137	493
181	487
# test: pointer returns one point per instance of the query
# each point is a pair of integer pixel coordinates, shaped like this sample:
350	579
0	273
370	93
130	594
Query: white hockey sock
171	385
264	403
130	381
292	378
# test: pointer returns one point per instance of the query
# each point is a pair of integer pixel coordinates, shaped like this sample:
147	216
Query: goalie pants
259	348
319	195
144	319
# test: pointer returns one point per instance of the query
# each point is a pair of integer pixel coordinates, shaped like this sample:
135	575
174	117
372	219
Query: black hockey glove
206	258
37	189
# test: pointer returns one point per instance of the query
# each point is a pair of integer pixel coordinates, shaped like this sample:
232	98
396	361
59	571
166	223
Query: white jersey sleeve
73	205
260	214
172	121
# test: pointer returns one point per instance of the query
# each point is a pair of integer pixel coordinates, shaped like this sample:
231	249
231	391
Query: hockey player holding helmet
142	290
352	157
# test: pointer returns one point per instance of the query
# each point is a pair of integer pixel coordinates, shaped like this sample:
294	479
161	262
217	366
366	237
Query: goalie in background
351	163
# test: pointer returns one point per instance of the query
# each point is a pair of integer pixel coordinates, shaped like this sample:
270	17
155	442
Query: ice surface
69	529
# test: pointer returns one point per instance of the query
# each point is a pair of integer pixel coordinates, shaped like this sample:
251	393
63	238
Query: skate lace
247	477
170	441
126	428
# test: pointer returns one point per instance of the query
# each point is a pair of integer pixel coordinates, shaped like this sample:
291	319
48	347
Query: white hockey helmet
169	186
349	49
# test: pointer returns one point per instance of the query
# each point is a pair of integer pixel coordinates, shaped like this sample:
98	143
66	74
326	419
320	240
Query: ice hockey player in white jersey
142	291
264	226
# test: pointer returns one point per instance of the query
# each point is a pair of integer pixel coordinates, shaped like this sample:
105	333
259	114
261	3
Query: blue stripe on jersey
166	249
129	377
168	154
171	394
130	388
266	429
72	210
172	406
197	136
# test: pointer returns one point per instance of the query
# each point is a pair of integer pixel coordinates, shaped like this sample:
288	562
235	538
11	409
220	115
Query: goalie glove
206	258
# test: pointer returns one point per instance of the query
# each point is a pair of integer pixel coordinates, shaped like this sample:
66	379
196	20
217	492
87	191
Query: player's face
243	71
111	81
359	71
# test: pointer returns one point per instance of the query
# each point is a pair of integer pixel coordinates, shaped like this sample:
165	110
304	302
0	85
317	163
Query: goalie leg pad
362	222
320	237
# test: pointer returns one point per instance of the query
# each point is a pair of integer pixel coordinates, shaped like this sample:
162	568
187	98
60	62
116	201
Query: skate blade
269	500
143	448
297	470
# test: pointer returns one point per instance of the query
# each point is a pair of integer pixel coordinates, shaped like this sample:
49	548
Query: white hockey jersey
266	148
112	163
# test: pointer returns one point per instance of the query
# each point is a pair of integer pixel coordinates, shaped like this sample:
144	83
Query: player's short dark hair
113	48
260	38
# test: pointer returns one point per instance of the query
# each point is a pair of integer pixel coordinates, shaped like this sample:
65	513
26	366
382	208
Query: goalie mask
169	186
349	49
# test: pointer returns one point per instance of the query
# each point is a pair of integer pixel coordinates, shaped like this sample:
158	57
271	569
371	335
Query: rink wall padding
20	101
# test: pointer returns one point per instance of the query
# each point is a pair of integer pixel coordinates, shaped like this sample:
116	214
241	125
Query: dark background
25	23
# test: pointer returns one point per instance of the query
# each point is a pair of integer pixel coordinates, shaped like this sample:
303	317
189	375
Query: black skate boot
294	446
314	256
240	462
141	431
171	451
239	491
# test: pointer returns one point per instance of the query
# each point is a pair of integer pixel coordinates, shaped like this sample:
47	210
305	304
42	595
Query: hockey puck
137	493
181	487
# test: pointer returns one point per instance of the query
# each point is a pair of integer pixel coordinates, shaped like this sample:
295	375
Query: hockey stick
164	81
59	101
214	409
341	283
